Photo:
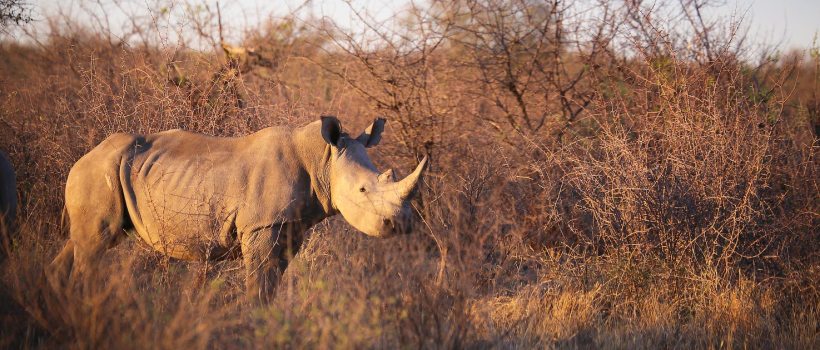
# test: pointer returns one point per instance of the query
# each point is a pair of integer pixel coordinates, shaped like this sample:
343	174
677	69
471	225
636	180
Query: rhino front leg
260	254
266	253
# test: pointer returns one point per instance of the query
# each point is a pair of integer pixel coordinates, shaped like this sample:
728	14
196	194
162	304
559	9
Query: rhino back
187	188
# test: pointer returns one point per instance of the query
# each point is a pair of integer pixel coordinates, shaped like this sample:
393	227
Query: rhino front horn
409	183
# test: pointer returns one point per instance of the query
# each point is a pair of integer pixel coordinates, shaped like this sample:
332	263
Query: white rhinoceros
8	203
195	197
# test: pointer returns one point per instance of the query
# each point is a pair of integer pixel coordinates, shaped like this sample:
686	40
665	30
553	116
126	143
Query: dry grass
678	208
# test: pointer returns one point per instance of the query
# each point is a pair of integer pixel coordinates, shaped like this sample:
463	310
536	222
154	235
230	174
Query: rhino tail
63	218
59	271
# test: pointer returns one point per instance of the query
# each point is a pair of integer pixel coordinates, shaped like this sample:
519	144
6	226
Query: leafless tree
14	12
532	61
396	69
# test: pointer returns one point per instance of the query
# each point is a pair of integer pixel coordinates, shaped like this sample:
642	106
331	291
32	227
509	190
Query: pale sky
789	23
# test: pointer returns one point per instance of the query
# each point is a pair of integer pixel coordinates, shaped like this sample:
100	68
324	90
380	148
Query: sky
787	23
791	23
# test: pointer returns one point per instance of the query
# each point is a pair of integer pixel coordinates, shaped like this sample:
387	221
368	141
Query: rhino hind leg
95	232
96	210
92	232
60	268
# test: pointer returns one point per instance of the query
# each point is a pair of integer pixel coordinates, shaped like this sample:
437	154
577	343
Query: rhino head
372	202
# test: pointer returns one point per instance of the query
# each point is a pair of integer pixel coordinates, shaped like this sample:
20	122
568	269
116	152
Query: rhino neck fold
315	154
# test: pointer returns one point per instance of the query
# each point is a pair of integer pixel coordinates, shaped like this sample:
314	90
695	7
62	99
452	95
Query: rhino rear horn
387	176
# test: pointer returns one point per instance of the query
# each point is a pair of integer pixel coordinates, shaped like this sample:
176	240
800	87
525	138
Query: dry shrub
695	176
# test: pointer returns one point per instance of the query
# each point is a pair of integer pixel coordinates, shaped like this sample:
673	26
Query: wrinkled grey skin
8	203
198	197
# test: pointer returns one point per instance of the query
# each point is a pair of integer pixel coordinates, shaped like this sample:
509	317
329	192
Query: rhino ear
373	134
331	130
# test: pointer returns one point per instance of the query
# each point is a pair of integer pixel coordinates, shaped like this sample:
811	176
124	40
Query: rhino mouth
396	226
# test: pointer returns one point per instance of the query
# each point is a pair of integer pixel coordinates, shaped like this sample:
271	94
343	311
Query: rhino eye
362	189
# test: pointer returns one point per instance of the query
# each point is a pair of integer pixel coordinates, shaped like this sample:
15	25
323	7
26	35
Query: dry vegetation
628	177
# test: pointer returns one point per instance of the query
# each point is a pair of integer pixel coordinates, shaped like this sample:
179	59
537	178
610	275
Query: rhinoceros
197	197
8	203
